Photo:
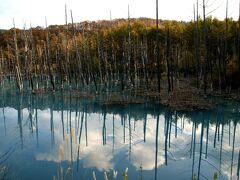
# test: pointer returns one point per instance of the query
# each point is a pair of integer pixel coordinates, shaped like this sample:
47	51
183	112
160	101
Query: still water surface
58	136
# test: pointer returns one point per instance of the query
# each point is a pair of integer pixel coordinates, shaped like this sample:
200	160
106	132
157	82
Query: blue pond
63	136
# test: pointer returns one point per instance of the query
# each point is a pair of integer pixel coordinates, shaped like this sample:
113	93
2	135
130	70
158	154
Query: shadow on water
62	135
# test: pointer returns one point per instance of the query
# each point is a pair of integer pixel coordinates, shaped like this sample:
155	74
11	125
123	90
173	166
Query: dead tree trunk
157	49
205	48
78	59
99	59
32	59
197	54
129	74
225	60
27	61
144	61
47	57
1	67
17	64
167	59
67	62
238	49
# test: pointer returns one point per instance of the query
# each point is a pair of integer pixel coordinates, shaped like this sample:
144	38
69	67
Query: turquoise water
64	136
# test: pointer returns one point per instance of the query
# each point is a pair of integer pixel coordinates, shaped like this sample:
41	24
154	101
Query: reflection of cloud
46	157
95	155
144	156
99	159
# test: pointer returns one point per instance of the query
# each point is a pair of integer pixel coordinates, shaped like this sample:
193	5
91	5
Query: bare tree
157	48
17	64
47	57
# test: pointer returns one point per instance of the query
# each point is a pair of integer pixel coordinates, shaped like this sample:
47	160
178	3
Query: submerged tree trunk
47	56
225	60
205	49
157	49
1	67
78	56
196	40
167	59
17	64
67	62
129	73
238	49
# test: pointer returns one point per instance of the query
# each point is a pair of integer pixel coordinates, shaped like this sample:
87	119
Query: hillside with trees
124	52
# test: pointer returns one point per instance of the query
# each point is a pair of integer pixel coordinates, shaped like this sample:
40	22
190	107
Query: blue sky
34	12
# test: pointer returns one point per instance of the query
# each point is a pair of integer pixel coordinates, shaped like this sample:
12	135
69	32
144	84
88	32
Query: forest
130	53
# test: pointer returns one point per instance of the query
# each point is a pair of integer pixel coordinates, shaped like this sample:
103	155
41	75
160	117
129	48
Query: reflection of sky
93	154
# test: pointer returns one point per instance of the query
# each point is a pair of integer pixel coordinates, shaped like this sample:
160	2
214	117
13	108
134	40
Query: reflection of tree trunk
113	132
4	121
52	122
192	140
183	122
207	138
81	127
20	120
234	132
86	131
170	130
176	119
156	150
104	127
71	133
76	115
144	127
221	146
62	116
67	121
30	114
200	155
130	136
194	146
79	139
124	125
238	165
216	130
166	135
229	132
52	127
36	110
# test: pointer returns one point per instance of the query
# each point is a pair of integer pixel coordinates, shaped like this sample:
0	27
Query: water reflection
46	135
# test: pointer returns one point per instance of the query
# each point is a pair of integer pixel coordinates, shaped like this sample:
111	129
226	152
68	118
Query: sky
34	11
